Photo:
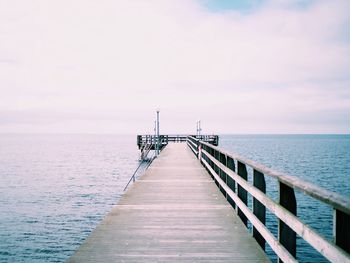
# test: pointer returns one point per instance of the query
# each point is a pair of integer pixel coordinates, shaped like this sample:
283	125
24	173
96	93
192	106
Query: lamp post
154	141
199	128
158	139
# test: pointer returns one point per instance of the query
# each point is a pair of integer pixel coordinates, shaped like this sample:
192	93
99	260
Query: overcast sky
105	66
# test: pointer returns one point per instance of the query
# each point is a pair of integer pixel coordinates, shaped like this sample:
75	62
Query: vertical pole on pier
286	236
230	182
259	209
199	128
242	193
155	138
223	175
158	139
342	230
215	154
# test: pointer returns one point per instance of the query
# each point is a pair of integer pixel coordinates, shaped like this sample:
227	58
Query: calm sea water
321	159
55	189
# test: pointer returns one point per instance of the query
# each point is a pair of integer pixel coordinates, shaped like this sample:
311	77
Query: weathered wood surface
173	213
339	202
321	244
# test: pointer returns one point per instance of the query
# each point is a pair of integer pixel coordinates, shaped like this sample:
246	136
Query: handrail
333	199
281	252
221	165
318	242
145	150
132	178
165	139
193	144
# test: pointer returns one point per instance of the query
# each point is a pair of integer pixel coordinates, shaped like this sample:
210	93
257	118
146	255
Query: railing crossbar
333	199
322	245
268	236
133	178
192	145
221	165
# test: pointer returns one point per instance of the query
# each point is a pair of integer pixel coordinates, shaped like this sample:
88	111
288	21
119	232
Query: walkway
173	213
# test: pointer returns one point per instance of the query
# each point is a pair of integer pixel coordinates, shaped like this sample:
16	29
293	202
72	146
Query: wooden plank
171	215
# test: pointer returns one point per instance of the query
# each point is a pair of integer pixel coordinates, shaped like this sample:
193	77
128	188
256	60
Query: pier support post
242	194
342	230
197	145
223	175
158	139
216	168
259	209
286	235
230	182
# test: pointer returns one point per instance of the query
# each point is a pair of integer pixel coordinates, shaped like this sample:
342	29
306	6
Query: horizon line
129	134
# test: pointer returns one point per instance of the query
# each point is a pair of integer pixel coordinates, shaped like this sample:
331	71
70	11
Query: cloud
235	70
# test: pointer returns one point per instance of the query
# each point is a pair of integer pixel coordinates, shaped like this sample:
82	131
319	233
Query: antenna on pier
155	138
157	128
199	129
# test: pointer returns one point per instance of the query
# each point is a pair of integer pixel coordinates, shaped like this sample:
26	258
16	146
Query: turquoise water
55	189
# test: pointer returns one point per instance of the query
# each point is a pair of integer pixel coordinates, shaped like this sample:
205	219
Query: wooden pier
173	213
146	143
191	205
144	140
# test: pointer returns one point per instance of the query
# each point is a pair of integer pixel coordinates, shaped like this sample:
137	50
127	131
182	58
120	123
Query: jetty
191	205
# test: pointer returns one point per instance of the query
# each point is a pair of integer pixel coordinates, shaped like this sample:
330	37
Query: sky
106	66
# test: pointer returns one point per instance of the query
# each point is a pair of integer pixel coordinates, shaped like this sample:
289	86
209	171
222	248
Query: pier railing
143	140
230	174
193	143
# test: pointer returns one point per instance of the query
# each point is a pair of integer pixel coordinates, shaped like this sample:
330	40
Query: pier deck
173	213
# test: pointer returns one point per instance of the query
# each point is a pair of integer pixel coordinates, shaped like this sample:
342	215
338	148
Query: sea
56	188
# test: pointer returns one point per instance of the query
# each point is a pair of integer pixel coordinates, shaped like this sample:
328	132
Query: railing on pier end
193	143
143	140
230	174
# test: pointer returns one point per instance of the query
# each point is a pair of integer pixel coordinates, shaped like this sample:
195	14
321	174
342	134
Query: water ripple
55	189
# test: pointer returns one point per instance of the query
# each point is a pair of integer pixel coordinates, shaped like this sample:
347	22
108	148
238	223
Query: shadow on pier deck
174	213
